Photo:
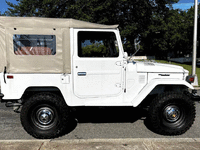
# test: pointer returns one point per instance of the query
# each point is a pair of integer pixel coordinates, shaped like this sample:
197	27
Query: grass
185	66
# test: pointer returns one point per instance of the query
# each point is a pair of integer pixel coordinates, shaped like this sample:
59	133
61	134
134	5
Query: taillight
10	77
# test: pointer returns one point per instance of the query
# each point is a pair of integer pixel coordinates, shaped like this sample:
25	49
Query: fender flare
152	84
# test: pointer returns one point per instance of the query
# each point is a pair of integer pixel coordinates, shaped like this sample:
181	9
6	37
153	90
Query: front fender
152	84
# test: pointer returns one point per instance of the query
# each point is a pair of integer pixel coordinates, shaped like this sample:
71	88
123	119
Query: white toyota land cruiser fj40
49	66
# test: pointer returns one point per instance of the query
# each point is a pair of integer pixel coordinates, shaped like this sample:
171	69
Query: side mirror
137	45
125	55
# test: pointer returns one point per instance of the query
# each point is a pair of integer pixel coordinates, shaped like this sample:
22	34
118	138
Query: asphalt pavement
92	133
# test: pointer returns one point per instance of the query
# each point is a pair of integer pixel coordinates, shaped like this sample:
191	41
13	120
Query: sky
182	4
4	6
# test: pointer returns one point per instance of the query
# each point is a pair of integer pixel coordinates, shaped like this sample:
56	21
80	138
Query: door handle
81	73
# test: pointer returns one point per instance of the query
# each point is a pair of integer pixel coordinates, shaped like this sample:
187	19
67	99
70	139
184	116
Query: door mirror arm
125	55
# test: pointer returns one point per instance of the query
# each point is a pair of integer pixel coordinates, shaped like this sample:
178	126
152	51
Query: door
97	64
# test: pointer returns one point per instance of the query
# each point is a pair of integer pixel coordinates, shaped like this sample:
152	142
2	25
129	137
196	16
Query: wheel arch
158	86
30	91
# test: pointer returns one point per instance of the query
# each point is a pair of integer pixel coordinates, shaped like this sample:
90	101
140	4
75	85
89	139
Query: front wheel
171	113
44	116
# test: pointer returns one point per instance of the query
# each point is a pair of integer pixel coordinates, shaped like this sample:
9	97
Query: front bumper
195	96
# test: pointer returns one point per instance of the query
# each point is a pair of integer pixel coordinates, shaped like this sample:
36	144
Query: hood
159	67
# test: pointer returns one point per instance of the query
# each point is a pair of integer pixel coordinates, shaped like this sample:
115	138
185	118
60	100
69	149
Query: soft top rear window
34	44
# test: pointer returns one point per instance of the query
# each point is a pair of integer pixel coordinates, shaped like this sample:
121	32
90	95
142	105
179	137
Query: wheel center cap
172	113
45	116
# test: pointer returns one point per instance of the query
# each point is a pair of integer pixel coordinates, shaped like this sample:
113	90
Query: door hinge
118	63
118	85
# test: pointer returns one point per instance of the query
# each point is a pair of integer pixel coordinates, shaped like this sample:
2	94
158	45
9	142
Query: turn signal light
190	79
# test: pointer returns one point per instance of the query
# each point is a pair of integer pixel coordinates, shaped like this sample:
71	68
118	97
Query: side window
97	44
34	44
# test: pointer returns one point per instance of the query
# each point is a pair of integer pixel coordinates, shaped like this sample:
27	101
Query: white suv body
85	65
99	81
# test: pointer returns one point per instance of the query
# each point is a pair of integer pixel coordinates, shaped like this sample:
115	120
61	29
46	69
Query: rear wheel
45	116
171	113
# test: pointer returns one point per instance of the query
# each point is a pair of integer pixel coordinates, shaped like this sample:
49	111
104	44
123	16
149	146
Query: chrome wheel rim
43	118
172	113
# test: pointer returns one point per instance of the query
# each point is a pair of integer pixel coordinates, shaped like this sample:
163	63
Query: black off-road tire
171	113
45	116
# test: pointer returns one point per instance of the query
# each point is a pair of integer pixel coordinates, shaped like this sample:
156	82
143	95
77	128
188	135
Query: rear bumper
1	96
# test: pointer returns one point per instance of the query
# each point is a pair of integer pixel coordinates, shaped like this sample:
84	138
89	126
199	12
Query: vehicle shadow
108	114
104	115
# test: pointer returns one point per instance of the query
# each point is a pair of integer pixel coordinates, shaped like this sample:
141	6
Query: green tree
2	14
135	17
171	33
39	8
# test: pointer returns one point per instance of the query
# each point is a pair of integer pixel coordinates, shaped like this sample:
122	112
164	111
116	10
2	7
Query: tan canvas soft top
59	63
49	23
